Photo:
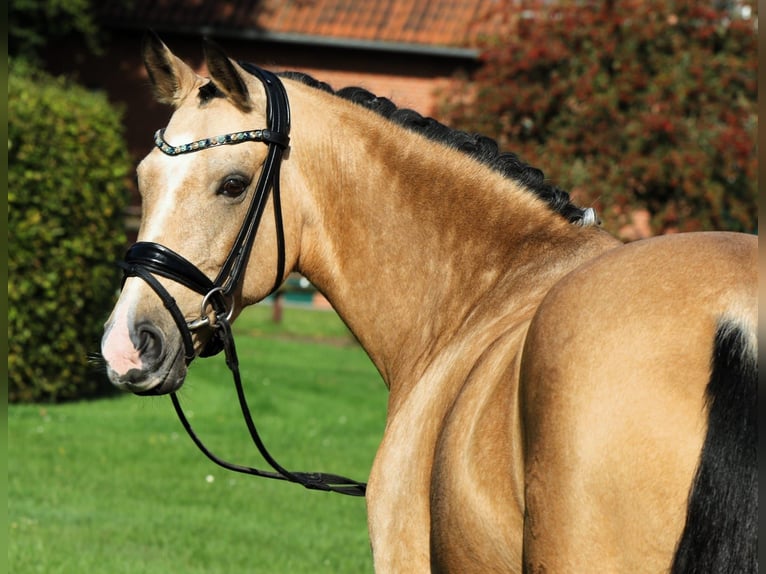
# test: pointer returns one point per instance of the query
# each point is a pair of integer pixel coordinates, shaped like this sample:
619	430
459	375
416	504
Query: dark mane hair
480	147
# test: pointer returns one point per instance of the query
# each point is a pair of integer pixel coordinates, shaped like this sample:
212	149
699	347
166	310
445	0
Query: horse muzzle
141	358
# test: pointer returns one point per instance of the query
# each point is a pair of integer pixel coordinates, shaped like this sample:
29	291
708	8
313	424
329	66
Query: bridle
147	259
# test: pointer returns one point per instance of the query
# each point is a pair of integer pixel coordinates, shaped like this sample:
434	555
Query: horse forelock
480	147
209	91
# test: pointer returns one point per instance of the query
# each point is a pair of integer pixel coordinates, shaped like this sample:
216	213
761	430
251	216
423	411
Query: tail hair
721	531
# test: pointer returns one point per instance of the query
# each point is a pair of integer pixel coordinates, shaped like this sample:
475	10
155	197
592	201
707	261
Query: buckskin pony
559	401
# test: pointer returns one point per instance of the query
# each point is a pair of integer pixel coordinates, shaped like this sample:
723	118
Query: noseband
148	259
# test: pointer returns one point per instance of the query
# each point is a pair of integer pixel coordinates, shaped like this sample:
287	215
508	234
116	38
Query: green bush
67	165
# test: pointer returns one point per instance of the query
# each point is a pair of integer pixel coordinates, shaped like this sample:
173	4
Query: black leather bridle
147	259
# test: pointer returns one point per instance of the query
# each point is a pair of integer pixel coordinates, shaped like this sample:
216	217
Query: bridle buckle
221	311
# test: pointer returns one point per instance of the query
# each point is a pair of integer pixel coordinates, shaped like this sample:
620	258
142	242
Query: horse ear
224	74
171	78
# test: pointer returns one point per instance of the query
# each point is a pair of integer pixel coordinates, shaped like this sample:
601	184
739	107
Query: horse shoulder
613	376
478	461
478	458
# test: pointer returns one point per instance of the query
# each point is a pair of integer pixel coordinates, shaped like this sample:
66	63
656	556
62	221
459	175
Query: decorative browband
227	139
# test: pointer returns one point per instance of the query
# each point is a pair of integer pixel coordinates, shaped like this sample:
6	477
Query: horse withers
559	401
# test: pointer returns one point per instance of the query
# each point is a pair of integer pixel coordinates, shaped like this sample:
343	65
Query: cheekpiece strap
264	135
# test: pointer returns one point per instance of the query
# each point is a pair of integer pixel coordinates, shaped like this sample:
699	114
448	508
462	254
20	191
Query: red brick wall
409	80
406	92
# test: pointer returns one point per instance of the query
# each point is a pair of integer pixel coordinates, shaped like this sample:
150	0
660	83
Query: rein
147	259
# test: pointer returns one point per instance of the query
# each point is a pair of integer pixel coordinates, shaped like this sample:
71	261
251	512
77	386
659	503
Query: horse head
208	185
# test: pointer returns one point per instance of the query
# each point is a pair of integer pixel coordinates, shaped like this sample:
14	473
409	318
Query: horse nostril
149	344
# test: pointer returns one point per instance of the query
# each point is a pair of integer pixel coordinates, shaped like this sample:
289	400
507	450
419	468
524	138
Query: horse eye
233	187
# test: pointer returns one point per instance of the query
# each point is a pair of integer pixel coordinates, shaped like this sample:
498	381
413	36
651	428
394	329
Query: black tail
721	530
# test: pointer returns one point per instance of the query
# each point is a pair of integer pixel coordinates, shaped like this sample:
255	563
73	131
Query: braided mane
480	147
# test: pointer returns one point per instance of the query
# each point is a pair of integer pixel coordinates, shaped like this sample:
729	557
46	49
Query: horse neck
407	238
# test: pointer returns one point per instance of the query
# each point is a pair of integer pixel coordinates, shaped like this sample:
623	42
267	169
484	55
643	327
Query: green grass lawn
115	486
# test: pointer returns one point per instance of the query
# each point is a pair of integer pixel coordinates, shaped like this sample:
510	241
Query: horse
559	401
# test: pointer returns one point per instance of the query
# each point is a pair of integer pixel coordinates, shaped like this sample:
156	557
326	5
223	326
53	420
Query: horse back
615	395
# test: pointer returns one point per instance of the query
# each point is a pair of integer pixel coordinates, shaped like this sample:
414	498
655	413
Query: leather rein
147	259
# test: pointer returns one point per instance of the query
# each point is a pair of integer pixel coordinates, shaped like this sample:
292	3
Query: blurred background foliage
67	188
34	24
638	107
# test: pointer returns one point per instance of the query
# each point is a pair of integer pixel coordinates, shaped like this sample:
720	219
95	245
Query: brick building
401	49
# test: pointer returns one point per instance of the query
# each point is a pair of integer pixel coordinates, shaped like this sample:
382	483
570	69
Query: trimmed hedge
67	165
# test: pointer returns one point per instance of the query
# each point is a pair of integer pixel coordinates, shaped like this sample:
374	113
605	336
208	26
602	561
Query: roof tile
433	22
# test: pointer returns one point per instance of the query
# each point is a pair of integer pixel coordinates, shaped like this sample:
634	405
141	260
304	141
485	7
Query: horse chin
169	383
159	390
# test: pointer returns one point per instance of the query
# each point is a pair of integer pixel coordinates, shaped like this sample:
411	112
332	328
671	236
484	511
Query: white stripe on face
117	347
167	177
168	181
